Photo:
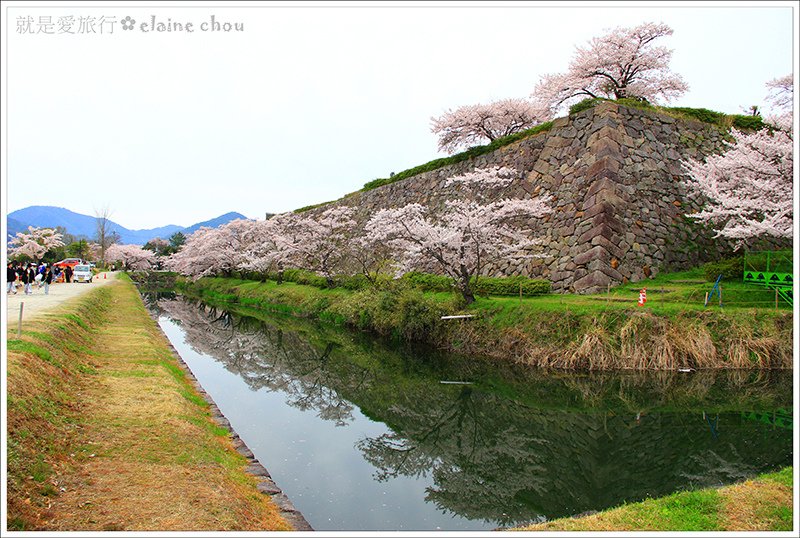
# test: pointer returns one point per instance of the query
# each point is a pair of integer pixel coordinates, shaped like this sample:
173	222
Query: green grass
603	331
28	347
761	504
685	511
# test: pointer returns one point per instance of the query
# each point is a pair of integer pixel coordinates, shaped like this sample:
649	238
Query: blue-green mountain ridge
86	226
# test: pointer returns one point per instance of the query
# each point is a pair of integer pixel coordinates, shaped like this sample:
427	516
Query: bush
299	276
428	281
731	268
481	286
583	105
354	282
748	122
511	286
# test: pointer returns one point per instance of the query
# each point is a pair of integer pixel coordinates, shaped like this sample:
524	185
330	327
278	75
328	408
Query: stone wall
619	203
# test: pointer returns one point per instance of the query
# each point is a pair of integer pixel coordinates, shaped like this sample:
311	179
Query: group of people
27	275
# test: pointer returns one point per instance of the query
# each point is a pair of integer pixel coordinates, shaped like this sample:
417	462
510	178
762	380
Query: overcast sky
308	102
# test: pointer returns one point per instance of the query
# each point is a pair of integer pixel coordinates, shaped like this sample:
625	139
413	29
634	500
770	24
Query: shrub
511	286
418	315
481	286
748	122
730	268
428	281
299	276
354	282
587	103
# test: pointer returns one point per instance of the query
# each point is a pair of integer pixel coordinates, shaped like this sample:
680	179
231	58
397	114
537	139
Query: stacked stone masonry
618	197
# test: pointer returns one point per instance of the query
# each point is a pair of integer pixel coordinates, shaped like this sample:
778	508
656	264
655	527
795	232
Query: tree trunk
465	289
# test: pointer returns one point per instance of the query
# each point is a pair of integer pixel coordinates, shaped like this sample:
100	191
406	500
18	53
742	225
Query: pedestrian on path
47	279
27	277
11	278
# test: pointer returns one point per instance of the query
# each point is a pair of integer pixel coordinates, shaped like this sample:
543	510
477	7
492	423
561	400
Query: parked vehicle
68	262
82	273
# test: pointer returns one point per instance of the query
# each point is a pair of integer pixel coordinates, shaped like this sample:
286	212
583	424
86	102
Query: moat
366	435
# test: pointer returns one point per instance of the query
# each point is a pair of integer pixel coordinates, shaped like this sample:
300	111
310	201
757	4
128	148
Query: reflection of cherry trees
267	357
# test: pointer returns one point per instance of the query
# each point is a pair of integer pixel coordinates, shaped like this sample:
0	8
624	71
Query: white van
82	273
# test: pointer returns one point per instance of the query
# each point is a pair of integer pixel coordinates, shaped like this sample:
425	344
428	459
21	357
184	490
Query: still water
367	436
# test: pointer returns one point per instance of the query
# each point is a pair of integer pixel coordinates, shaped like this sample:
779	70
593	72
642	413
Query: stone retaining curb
266	485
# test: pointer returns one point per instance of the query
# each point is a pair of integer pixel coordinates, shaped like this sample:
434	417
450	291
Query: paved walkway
39	302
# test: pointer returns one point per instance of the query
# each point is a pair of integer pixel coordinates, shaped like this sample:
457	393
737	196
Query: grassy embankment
762	504
605	331
106	433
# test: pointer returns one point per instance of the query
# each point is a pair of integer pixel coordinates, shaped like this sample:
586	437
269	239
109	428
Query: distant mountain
86	226
15	226
213	223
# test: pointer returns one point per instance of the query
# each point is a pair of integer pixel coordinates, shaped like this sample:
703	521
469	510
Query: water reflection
514	445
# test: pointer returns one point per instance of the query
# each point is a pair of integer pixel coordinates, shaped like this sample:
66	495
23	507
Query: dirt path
38	302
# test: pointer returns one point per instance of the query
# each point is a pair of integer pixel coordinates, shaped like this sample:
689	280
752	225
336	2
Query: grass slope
606	331
105	432
762	504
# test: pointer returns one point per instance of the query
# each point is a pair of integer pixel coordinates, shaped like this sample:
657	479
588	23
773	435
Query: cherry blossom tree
212	251
132	257
473	124
160	247
781	92
623	63
464	237
319	244
750	186
35	243
266	253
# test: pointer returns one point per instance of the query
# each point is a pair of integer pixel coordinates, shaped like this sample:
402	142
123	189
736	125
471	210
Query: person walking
11	277
68	274
47	279
28	276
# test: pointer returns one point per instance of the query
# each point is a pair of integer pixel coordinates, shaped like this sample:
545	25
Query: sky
308	101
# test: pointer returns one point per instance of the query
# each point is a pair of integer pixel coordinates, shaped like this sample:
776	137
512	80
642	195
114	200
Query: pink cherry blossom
463	238
623	63
35	243
750	186
471	125
130	256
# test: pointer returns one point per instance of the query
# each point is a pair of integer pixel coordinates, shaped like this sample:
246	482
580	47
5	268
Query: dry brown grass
748	505
640	341
138	450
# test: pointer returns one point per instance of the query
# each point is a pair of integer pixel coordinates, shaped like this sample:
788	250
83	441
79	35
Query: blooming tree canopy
623	63
35	243
130	256
781	92
319	244
465	236
265	251
472	124
211	251
749	187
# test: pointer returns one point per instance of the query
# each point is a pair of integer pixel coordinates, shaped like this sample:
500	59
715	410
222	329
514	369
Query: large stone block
592	282
595	253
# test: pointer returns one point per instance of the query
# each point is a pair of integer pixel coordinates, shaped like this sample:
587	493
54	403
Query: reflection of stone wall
615	175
